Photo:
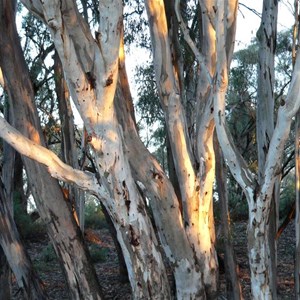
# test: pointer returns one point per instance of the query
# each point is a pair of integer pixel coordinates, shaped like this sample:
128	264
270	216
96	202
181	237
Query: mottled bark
258	196
163	200
266	36
47	193
91	70
195	194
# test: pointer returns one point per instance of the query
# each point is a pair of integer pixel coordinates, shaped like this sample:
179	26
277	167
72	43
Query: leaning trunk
68	139
53	209
266	36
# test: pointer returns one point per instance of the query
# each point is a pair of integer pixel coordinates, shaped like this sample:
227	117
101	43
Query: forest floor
108	272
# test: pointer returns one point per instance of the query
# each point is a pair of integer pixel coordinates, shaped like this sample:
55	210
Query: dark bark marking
134	240
91	79
125	194
109	80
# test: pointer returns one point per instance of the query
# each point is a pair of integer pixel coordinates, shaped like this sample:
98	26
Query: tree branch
56	167
190	42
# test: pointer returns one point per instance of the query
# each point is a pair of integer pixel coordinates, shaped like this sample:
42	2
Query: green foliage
48	254
94	217
98	254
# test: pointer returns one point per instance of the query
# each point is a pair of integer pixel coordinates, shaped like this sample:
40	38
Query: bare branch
190	42
235	161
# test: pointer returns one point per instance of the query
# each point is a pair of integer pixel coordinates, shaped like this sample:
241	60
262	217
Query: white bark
91	70
56	167
258	198
195	195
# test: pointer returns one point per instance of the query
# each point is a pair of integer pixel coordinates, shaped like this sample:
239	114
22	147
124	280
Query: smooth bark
68	140
163	199
266	36
258	196
196	196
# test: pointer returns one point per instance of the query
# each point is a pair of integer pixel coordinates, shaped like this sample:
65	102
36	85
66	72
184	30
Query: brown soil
108	271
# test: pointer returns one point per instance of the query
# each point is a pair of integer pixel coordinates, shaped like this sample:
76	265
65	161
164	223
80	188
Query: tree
191	75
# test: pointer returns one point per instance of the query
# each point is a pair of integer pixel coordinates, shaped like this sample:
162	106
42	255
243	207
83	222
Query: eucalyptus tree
126	173
258	193
47	192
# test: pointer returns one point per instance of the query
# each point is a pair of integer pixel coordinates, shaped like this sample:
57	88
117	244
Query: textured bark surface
163	200
196	194
258	196
265	119
68	144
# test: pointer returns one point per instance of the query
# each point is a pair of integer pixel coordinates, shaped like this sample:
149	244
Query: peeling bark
265	119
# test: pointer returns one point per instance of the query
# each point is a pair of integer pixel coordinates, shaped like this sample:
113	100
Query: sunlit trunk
91	71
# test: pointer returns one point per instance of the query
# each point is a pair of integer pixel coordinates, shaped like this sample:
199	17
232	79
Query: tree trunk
91	71
163	200
54	211
233	286
68	139
266	36
31	287
196	193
